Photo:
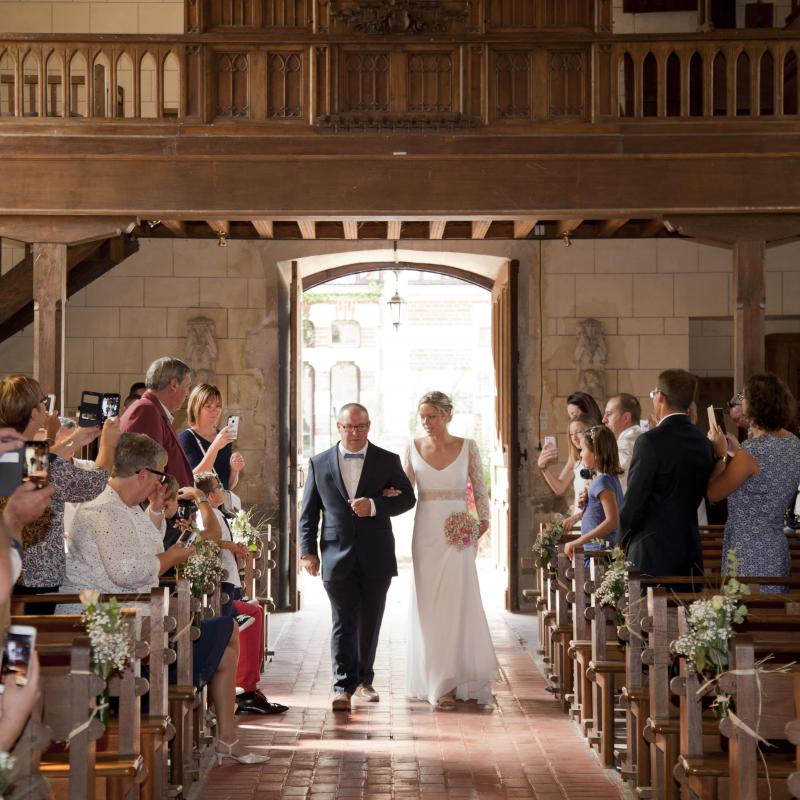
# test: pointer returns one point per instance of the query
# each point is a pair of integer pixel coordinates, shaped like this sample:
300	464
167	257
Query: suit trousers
357	604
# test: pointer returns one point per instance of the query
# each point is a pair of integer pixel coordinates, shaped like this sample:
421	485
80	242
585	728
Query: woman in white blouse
116	547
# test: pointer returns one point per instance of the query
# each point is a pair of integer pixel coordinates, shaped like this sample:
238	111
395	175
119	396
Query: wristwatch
202	499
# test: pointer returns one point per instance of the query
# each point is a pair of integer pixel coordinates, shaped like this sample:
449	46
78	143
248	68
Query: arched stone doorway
495	274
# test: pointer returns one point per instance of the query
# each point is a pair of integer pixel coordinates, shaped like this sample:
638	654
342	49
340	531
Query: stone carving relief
591	354
201	349
399	16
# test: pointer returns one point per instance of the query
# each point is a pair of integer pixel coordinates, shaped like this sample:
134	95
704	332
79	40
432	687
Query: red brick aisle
522	747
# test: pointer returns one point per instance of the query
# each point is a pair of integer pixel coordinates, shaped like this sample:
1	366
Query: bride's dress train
449	645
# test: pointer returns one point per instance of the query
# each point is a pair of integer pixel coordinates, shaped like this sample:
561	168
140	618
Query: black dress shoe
256	703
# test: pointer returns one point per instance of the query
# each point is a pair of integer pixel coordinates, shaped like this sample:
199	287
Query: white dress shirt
351	469
625	442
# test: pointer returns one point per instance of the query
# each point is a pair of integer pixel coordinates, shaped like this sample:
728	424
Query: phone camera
186	509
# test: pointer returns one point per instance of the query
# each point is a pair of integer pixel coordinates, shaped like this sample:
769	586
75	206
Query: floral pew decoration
111	644
246	529
544	547
614	585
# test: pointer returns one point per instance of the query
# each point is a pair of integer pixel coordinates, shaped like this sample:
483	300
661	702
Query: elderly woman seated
116	547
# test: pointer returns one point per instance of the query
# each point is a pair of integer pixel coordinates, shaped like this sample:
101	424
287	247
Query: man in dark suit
667	479
345	484
167	382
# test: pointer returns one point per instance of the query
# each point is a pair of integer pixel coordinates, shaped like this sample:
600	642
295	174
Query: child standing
601	516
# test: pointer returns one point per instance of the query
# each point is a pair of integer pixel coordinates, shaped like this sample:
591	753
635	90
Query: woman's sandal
446	702
245	758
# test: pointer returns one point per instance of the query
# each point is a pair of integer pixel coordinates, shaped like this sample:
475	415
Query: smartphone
716	418
51	403
550	442
644	424
17	653
233	425
187	538
89	413
36	462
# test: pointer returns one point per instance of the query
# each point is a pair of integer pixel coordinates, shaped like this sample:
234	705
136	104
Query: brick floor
403	750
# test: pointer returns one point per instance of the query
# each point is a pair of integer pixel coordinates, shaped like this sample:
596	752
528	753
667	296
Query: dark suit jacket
147	415
667	480
349	541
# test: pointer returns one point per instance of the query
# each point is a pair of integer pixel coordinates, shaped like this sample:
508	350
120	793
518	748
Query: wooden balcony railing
500	82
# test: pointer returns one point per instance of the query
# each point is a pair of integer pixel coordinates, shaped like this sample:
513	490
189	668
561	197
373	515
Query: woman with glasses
600	518
760	481
22	407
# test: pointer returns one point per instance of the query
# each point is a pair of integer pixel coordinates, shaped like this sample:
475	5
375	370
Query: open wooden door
505	455
297	462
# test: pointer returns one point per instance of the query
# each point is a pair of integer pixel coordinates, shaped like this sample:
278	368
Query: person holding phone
760	481
208	447
22	407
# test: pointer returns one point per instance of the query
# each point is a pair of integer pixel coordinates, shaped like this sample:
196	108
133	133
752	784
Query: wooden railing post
49	301
749	287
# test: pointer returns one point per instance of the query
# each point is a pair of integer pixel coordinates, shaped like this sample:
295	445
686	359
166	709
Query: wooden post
49	301
749	287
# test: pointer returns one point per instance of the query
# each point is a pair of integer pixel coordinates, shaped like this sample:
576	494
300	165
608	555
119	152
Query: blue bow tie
348	456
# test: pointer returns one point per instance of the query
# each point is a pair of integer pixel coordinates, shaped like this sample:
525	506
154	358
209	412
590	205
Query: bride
450	652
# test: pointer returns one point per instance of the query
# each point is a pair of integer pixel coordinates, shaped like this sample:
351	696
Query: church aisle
523	747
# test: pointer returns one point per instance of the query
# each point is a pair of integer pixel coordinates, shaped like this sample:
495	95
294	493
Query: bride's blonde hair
439	400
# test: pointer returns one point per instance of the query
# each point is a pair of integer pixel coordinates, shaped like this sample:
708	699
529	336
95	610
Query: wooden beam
523	227
67	230
731	228
350	228
49	301
749	287
652	228
308	228
480	227
610	227
219	226
437	227
568	226
175	227
394	228
264	228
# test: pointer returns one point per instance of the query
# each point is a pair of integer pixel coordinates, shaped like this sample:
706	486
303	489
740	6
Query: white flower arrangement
614	583
548	537
245	529
7	763
111	645
710	628
203	567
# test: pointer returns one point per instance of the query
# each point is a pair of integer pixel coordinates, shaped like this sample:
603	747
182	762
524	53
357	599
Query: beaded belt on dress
440	494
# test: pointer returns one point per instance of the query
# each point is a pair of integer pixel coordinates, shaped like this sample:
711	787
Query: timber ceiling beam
175	227
652	228
730	228
308	228
394	228
64	229
264	228
480	227
437	227
610	227
523	227
568	226
221	227
350	229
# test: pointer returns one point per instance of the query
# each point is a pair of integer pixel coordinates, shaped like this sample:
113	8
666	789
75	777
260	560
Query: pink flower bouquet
461	530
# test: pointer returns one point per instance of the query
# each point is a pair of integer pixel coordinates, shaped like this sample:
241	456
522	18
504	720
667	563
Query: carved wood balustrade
502	81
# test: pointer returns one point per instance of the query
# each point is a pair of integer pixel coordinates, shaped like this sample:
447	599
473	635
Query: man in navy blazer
345	485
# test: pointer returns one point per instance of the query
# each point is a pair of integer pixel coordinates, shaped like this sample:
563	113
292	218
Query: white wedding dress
449	645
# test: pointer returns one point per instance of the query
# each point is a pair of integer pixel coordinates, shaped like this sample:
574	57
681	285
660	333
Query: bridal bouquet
461	530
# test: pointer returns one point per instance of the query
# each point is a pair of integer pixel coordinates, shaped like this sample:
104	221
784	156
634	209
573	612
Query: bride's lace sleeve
407	468
478	484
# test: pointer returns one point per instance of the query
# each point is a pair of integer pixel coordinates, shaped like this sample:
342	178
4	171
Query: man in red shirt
168	381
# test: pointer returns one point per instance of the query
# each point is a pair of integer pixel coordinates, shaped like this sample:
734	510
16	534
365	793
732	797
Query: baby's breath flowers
203	567
710	627
549	536
245	529
614	583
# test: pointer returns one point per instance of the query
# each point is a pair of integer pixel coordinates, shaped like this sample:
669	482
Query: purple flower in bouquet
461	530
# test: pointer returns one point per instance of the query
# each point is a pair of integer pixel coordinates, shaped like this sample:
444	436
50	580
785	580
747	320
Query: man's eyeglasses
352	428
736	400
654	392
162	476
